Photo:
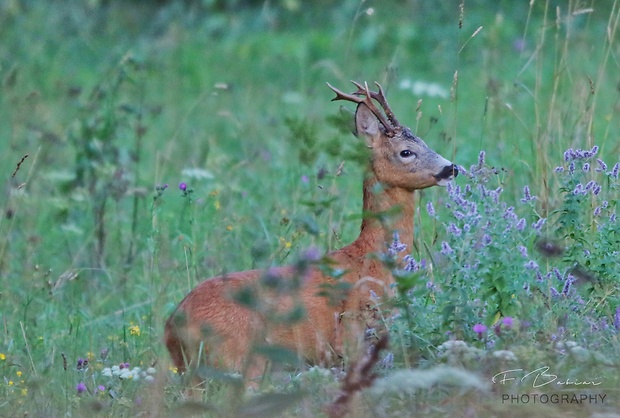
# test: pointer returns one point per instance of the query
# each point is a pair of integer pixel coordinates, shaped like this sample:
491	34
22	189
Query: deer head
399	158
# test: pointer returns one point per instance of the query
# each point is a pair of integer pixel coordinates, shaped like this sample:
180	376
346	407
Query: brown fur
208	320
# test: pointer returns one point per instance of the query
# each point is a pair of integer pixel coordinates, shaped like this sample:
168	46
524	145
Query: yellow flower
19	373
10	383
24	391
134	330
173	369
2	356
229	227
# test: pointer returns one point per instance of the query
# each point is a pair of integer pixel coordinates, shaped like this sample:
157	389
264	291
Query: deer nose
448	172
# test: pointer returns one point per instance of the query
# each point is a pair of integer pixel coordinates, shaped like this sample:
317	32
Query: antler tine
367	100
380	97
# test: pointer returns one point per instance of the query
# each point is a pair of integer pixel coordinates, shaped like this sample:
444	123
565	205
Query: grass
112	102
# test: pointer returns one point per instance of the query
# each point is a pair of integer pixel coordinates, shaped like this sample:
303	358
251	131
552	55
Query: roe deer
210	323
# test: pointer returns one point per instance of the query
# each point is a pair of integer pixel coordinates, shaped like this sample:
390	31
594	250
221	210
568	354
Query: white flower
506	355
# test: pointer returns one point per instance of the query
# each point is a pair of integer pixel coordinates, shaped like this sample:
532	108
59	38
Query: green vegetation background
112	100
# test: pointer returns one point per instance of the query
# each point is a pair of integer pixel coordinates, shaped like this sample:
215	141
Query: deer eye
407	153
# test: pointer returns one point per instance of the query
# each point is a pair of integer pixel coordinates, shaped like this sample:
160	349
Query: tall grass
117	104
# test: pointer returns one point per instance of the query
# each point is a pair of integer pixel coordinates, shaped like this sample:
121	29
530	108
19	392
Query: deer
211	326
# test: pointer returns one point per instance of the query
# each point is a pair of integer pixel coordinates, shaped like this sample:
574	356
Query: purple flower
507	322
479	329
522	250
446	249
396	246
183	186
521	224
430	209
559	169
527	196
586	167
481	159
567	284
597	211
614	172
538	224
612	218
601	165
305	179
554	292
81	387
597	189
531	265
590	185
617	318
571	168
558	275
569	154
411	264
593	151
578	189
454	230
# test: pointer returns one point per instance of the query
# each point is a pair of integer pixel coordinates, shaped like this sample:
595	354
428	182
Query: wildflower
508	321
614	172
586	167
617	318
521	224
593	151
481	159
446	249
430	209
597	189
2	356
604	204
612	218
569	154
558	275
527	196
590	185
559	169
554	292
571	168
486	239
479	329
100	389
505	355
567	284
134	330
578	189
81	387
183	186
411	264
396	246
19	373
458	214
531	265
522	250
537	226
597	211
454	230
601	165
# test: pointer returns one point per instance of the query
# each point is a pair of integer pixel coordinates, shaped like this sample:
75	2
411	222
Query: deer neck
386	210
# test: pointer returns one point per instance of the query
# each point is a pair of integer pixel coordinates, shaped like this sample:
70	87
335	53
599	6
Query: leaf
277	354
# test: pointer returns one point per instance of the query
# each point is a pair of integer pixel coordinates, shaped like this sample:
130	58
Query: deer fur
209	321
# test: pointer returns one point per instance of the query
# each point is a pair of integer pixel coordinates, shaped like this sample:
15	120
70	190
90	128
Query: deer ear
367	125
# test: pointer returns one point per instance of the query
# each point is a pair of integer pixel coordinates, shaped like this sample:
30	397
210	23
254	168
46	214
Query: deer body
211	322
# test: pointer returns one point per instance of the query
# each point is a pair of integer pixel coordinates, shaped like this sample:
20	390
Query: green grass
109	102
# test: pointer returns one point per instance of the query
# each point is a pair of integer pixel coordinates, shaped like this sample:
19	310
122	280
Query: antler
391	124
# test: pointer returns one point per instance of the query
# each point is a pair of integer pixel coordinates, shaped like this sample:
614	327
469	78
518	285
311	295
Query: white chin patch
444	182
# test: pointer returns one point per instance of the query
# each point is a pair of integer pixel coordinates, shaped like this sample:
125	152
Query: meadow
148	146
